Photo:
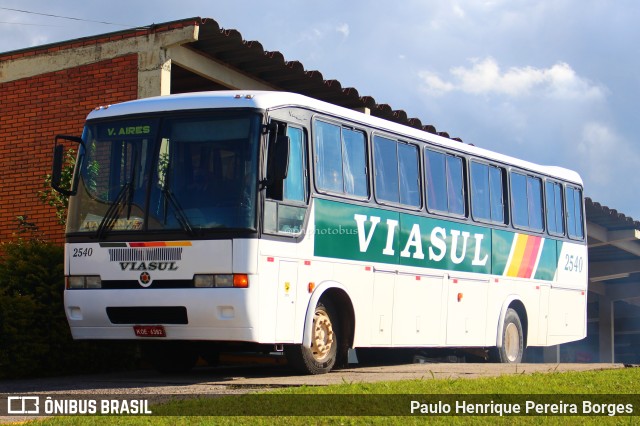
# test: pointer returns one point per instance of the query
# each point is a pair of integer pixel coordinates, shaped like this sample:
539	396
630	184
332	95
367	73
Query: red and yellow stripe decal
524	255
148	244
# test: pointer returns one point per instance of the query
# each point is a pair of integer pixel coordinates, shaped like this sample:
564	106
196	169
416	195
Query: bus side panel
568	295
566	315
287	290
572	266
466	314
418	312
543	317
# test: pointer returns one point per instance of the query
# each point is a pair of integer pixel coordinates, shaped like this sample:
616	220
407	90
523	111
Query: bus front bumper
214	314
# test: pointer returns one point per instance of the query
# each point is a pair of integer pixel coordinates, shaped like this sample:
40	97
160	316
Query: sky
555	82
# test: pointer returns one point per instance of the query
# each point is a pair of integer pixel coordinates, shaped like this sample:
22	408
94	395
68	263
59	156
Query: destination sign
126	129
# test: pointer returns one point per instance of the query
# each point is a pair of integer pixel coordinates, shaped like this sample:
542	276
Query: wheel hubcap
322	336
511	342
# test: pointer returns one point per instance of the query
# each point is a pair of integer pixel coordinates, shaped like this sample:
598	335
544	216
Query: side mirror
279	159
58	165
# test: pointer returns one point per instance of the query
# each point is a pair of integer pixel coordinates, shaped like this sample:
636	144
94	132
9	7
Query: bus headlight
223	280
75	282
93	282
84	281
203	281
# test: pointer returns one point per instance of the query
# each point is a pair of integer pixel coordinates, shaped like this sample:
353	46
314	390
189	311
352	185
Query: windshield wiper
180	216
114	210
126	192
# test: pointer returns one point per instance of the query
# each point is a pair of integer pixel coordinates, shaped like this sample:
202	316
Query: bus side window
329	157
354	163
386	169
341	160
555	210
487	184
409	174
445	183
397	173
497	186
294	185
287	215
526	196
574	213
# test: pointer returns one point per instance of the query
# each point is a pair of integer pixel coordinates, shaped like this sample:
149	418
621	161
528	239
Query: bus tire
512	348
171	357
321	357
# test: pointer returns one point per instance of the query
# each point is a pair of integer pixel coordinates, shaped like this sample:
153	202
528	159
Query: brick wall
32	112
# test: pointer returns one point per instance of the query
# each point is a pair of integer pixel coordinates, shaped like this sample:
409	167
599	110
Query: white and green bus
206	222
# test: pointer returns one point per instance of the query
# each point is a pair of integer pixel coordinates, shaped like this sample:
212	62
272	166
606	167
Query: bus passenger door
285	310
382	312
285	209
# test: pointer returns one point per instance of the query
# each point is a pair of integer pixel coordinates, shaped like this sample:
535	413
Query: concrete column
606	329
154	74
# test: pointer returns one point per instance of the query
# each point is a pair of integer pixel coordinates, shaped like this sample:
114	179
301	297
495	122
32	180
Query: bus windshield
188	174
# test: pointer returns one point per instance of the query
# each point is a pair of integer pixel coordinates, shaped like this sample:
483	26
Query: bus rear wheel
512	348
321	357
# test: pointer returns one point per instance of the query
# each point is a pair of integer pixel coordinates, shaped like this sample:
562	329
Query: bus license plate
149	331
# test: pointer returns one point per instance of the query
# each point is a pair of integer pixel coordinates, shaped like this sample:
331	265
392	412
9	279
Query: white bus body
331	267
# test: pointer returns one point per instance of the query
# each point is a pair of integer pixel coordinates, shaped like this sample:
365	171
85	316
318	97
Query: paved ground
220	379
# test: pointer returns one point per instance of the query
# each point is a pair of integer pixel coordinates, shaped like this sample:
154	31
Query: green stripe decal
346	231
548	261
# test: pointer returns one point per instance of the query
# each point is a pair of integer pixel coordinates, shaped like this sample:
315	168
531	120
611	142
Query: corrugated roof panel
607	217
228	46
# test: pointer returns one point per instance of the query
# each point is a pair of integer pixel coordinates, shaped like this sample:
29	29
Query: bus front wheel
512	347
321	356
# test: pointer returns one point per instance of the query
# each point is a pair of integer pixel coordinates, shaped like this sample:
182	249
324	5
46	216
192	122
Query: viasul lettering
148	266
442	242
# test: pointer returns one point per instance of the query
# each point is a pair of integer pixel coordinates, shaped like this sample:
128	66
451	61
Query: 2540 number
82	252
573	263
